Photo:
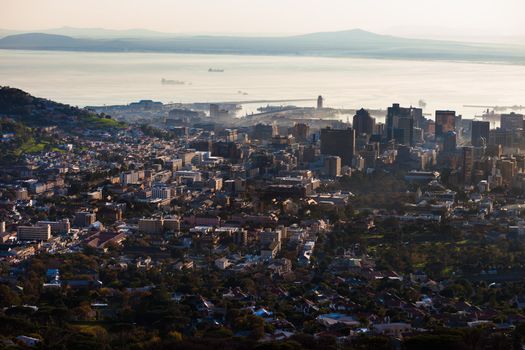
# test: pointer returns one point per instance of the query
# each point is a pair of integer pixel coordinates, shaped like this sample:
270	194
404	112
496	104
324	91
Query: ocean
81	78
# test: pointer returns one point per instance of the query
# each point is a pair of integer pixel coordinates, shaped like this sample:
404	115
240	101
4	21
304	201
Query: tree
8	297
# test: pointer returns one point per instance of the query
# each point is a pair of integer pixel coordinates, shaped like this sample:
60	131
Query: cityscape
255	222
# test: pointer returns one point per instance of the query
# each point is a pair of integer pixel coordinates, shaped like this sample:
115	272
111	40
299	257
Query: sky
416	18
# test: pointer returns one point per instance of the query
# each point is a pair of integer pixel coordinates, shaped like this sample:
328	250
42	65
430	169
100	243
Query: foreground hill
38	112
350	43
24	122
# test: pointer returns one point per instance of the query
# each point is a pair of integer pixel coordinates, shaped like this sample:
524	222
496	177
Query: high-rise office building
400	123
480	133
265	131
370	154
217	112
214	110
467	163
504	137
338	142
332	166
417	116
363	122
512	121
508	168
445	122
450	142
300	131
404	133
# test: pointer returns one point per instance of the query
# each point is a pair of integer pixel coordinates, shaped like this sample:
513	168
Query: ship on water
171	82
271	109
215	70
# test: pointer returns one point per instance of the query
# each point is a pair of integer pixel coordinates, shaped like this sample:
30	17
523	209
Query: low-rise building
34	233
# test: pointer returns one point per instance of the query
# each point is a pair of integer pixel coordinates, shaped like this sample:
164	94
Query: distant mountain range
93	33
102	33
351	43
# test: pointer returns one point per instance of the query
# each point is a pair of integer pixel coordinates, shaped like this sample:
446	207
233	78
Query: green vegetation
99	122
31	147
24	140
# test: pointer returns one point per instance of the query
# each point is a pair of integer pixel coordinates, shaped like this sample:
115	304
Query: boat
215	70
171	82
272	109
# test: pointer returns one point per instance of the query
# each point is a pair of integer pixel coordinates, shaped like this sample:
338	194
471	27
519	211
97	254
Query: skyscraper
363	123
214	110
332	166
404	133
511	121
265	131
338	142
300	131
445	122
467	163
449	142
371	154
480	133
400	123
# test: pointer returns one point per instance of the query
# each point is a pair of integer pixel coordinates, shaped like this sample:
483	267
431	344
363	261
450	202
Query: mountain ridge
348	43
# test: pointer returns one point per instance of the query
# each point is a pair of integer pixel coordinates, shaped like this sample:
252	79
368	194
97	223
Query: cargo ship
171	82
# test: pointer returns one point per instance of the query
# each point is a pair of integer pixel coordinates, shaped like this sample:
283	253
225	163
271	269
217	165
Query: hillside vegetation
30	124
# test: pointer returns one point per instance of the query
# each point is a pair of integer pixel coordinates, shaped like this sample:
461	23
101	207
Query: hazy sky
408	17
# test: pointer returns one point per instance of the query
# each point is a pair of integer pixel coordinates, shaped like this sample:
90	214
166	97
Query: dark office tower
371	154
391	120
320	102
445	122
214	110
512	121
480	133
467	163
417	115
300	131
338	142
404	133
503	137
379	129
403	157
450	142
458	120
400	122
264	131
332	166
363	123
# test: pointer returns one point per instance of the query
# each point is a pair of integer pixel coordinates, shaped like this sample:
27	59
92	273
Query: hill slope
38	112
